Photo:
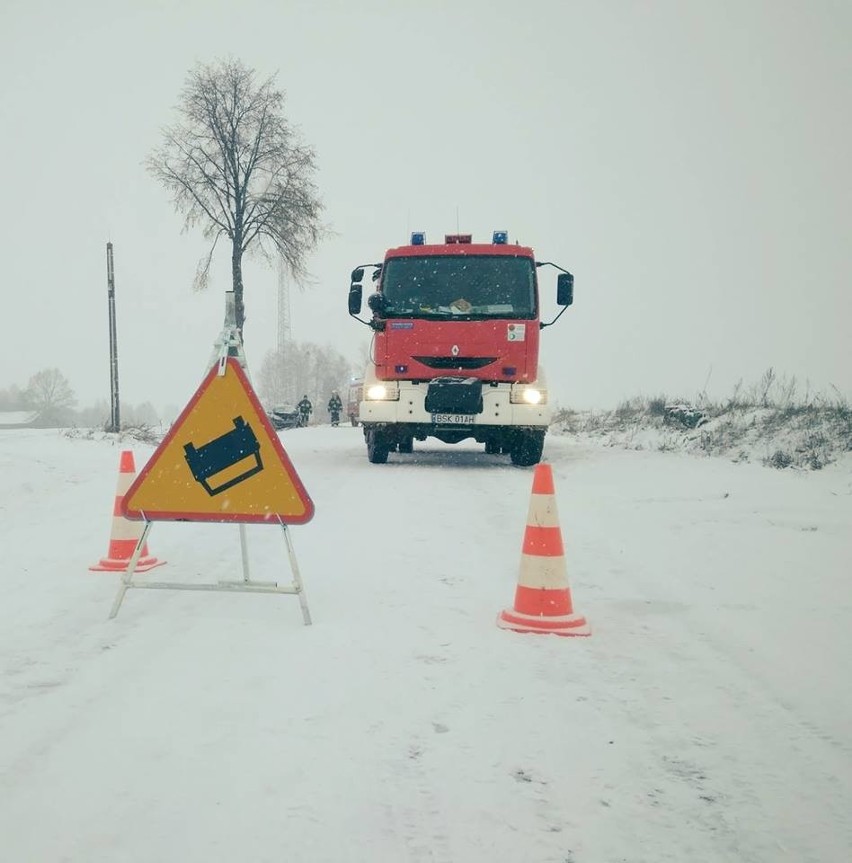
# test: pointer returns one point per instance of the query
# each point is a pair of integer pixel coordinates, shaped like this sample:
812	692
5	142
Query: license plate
453	419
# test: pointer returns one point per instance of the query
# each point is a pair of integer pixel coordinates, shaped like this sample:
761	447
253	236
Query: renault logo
454	350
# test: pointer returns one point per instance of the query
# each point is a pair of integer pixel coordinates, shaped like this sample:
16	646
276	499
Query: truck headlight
530	395
383	392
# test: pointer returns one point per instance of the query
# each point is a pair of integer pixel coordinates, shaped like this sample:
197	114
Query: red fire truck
353	399
455	346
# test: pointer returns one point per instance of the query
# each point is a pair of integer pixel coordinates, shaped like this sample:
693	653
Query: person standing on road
305	409
335	406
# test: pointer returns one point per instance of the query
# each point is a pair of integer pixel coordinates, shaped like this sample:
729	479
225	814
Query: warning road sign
220	461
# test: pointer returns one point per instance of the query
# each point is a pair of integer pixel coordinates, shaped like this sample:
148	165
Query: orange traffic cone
543	598
125	533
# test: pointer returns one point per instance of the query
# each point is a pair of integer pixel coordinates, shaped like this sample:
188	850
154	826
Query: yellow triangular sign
220	461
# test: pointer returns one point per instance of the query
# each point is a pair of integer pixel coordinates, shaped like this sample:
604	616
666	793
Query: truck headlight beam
383	392
529	395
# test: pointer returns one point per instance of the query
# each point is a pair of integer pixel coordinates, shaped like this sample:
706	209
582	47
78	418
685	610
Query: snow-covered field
707	718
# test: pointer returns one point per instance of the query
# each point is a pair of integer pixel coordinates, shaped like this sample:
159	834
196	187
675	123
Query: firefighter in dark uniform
305	409
335	406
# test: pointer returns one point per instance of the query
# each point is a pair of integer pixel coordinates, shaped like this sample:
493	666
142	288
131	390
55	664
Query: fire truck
455	346
353	399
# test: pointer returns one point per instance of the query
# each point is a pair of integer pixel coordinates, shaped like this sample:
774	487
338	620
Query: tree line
47	395
303	369
50	401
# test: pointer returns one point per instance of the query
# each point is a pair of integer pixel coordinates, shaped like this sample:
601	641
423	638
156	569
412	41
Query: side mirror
357	274
564	289
376	303
355	298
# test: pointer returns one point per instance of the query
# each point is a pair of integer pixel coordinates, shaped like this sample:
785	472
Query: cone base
108	564
568	624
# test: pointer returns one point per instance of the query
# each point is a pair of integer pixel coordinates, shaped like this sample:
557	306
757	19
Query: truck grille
456	362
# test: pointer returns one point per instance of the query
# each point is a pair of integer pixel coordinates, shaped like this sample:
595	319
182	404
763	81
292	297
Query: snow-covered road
708	717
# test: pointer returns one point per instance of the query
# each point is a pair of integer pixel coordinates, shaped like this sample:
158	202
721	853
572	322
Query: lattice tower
285	338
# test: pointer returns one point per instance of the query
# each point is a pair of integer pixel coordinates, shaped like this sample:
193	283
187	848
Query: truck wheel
406	444
377	447
527	448
492	447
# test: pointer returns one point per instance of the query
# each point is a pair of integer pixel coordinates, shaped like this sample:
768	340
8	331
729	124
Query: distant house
18	419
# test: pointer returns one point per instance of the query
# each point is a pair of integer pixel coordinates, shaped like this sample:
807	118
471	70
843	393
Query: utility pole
115	418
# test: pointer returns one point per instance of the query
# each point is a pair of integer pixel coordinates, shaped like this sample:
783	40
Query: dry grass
772	422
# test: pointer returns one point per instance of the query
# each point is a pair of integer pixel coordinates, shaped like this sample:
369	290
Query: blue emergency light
500	238
418	238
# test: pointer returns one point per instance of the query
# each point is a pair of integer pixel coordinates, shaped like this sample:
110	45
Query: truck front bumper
497	410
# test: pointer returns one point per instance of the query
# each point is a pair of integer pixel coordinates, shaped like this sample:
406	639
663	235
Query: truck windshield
459	286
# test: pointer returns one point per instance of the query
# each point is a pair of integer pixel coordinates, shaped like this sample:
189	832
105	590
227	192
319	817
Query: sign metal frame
228	356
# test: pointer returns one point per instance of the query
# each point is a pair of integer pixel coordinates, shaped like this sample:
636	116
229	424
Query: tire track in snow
729	762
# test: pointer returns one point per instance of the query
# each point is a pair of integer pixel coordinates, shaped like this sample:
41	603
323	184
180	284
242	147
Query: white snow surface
707	718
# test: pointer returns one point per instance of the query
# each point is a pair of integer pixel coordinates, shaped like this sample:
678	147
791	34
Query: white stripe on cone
550	573
542	511
123	528
125	480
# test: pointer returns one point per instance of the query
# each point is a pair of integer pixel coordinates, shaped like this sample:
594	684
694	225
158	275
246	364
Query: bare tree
49	393
234	165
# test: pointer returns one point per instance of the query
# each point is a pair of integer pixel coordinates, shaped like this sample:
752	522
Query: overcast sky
689	162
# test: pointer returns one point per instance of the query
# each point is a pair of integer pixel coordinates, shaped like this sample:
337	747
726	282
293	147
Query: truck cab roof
459	249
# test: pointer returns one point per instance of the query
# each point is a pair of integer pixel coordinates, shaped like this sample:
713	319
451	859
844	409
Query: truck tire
492	447
527	448
378	447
